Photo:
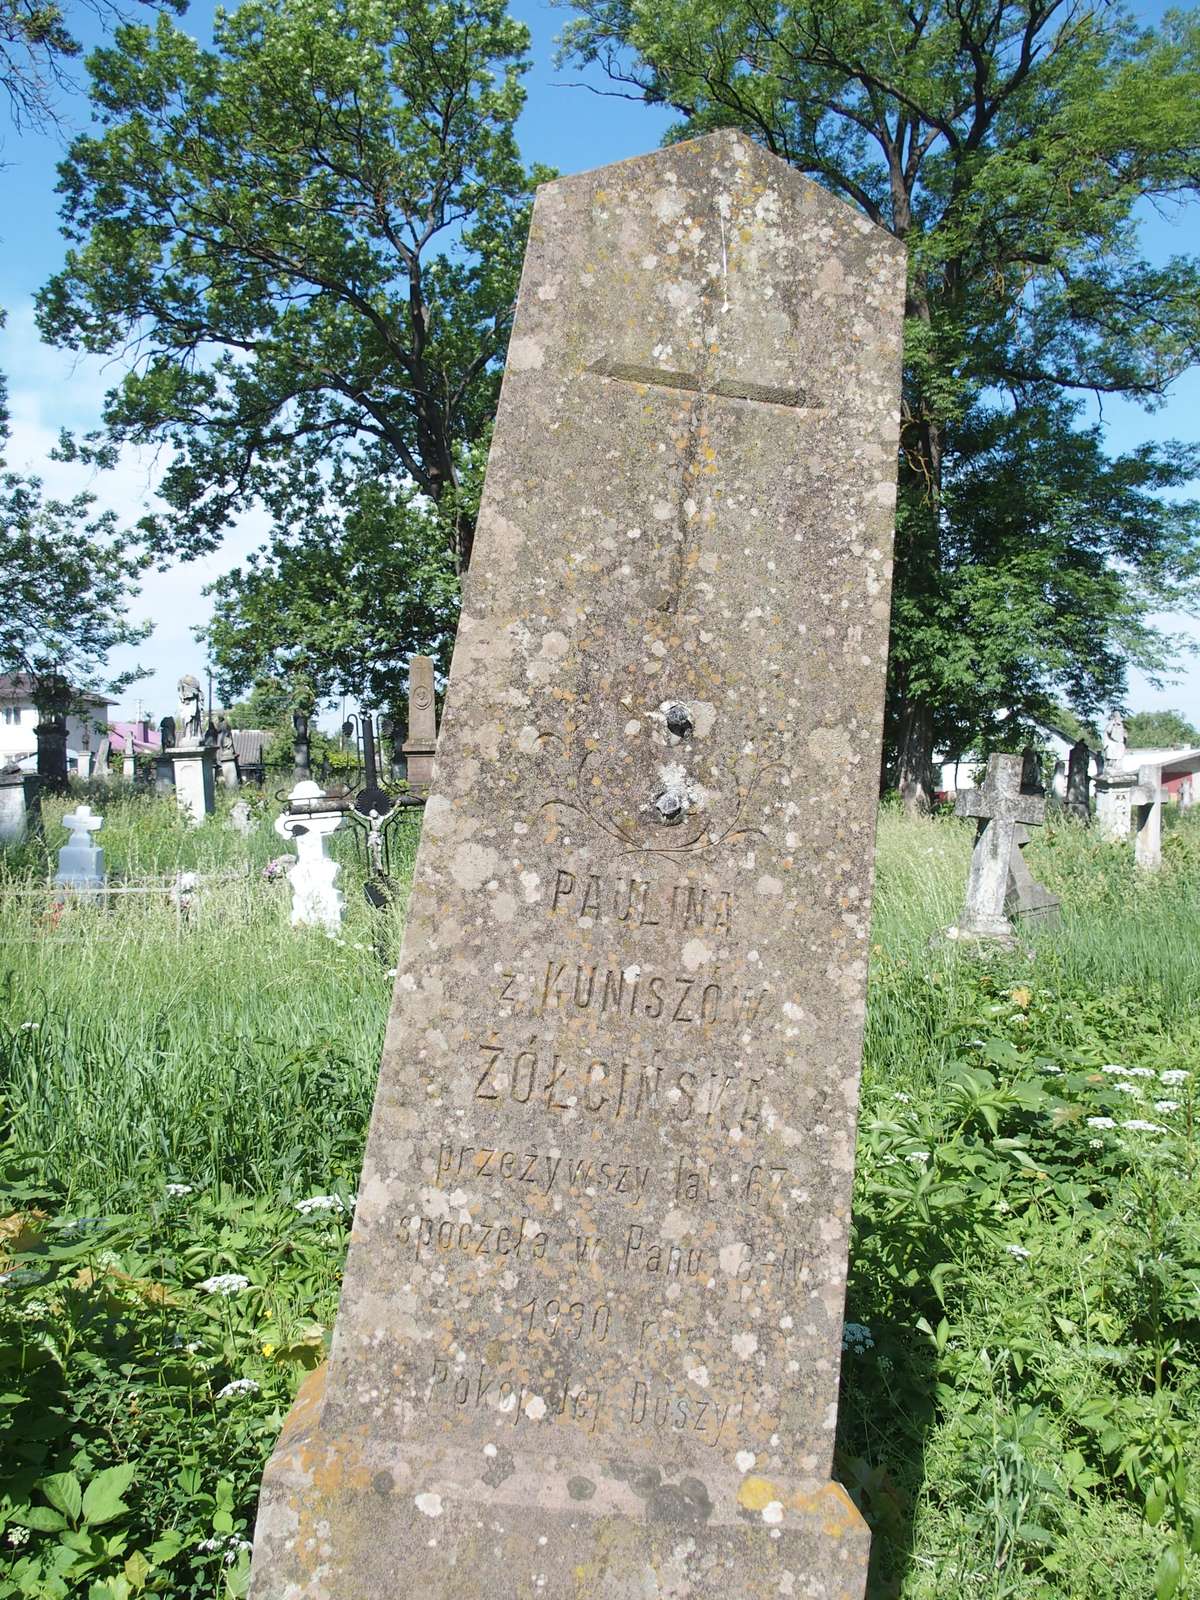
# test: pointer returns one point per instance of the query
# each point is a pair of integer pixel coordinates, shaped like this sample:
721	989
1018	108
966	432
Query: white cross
82	823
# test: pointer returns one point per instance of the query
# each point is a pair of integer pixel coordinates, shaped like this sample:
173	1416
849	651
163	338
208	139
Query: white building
19	719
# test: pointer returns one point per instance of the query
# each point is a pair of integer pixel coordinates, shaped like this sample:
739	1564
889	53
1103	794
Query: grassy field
184	1088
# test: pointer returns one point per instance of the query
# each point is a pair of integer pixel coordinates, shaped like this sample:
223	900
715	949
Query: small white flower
1114	1071
920	1156
903	1098
225	1283
1100	1122
18	1535
320	1202
1128	1088
391	972
237	1386
1018	1250
178	1190
1095	1144
209	1544
1176	1075
25	1026
1137	1125
1049	1067
1166	1105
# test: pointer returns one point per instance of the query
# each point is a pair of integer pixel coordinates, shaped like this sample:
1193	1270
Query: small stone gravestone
241	818
1114	804
421	745
100	764
1004	810
590	1334
80	862
12	805
1147	803
308	823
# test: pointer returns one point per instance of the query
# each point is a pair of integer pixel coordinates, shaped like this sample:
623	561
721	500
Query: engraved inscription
544	1173
637	903
620	1091
645	376
631	991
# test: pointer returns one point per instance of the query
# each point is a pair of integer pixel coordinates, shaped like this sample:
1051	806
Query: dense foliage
1009	144
308	239
183	1096
1168	730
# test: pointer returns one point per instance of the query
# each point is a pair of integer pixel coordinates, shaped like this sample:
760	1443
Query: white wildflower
903	1098
176	1191
1095	1144
1176	1075
1120	1072
18	1535
391	972
1100	1122
25	1027
920	1156
237	1386
1138	1125
1166	1105
1049	1067
320	1202
1128	1088
225	1283
1018	1250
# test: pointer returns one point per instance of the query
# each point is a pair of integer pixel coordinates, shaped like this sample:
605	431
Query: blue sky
564	126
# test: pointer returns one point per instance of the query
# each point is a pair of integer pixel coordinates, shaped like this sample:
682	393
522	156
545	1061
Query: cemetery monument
12	804
80	862
591	1325
192	757
1000	883
420	747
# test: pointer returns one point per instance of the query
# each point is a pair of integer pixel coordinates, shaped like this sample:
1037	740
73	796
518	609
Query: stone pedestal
80	862
1114	805
12	807
194	787
164	775
591	1326
307	823
1146	801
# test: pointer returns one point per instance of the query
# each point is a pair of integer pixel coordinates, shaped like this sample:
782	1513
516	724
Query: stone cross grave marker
590	1333
420	746
308	823
1003	810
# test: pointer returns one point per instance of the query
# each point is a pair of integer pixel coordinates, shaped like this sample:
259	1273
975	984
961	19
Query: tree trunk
914	756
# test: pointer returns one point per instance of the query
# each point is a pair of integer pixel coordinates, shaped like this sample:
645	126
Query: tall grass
189	1035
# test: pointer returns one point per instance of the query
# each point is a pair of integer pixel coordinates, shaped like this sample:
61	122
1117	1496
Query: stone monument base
194	787
356	1518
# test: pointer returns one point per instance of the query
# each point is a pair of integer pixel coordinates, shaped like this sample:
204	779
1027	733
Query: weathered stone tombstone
241	818
13	821
1078	802
100	761
80	862
308	823
999	881
1114	804
590	1333
421	745
1146	800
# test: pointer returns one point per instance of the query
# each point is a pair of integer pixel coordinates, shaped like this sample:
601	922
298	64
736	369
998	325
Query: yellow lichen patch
755	1493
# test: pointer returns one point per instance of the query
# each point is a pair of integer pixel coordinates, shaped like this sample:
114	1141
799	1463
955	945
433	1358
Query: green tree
308	241
69	577
338	608
1161	730
1009	143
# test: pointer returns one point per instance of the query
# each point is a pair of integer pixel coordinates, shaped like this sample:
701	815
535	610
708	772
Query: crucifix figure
702	388
1001	807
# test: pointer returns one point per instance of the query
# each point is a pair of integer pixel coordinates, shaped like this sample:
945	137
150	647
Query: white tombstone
1114	804
12	807
80	862
241	818
316	900
194	782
